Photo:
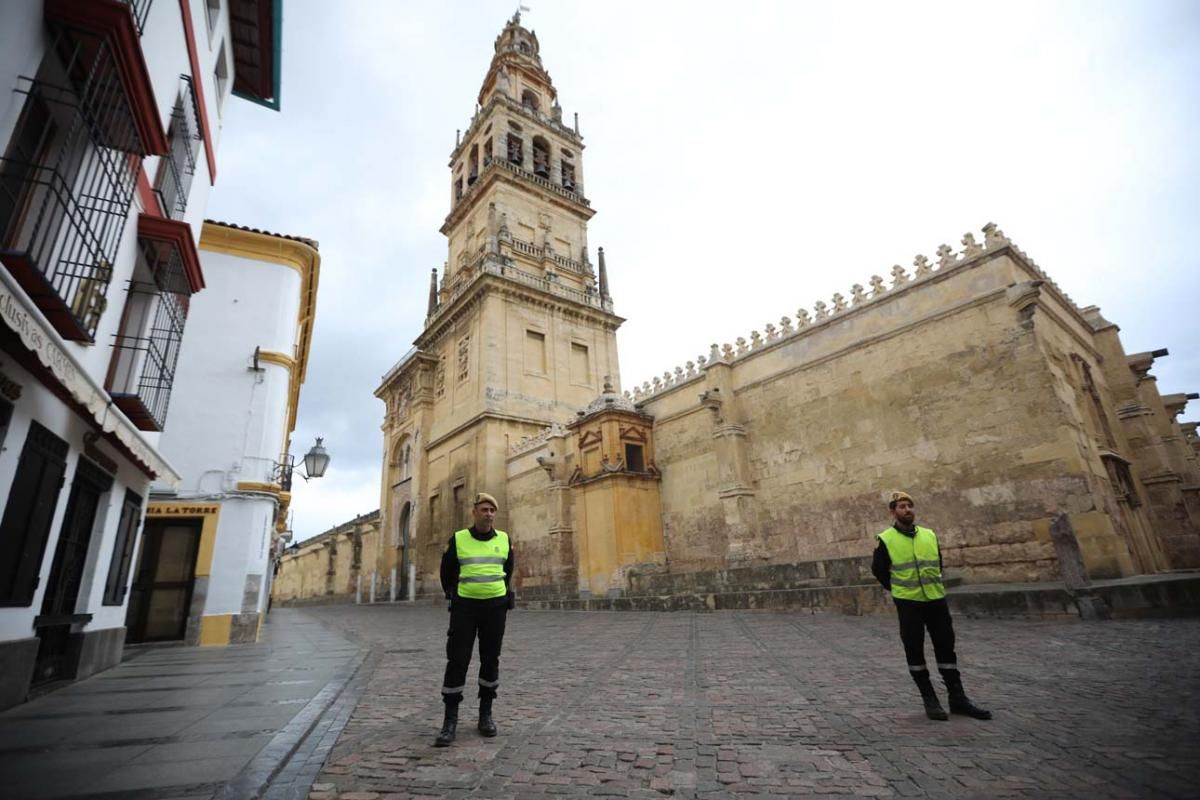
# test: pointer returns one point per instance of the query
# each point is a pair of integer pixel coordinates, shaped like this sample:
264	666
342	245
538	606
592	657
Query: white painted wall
227	422
23	40
38	403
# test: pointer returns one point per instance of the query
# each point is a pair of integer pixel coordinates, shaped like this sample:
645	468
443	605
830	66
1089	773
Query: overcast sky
745	160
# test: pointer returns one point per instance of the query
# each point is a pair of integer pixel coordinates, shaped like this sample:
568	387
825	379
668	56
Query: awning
90	398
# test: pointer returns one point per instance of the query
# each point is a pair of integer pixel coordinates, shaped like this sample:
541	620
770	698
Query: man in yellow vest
477	570
908	561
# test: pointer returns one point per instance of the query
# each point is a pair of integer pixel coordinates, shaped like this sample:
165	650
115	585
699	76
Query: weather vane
517	16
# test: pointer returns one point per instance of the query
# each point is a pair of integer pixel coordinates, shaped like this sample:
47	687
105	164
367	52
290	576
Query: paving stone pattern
186	723
770	705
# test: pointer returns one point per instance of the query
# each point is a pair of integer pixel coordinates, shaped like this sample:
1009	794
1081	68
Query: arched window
568	174
529	99
541	157
487	151
516	149
473	165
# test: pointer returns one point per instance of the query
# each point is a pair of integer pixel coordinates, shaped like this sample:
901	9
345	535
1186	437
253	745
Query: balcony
177	169
146	350
99	39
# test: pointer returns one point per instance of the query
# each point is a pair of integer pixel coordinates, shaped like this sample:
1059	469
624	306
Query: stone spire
433	298
603	277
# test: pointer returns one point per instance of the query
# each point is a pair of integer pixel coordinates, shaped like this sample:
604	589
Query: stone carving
772	333
899	276
802	319
839	302
946	256
820	310
714	354
756	340
877	286
691	369
993	237
527	443
971	248
742	347
701	361
856	294
786	324
727	352
923	267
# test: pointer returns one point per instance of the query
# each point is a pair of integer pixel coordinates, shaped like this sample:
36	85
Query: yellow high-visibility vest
916	569
481	565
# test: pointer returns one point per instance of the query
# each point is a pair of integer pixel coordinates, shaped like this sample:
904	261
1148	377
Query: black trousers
468	619
917	615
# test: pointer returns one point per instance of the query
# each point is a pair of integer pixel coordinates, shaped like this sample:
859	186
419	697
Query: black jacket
881	562
450	565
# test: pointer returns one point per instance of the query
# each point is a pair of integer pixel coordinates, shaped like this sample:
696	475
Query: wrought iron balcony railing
178	166
66	185
147	348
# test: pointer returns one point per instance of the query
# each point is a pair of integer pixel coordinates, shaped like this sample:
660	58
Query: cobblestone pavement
757	704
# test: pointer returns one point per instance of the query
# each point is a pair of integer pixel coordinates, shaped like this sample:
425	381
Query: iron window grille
150	337
140	10
177	168
67	181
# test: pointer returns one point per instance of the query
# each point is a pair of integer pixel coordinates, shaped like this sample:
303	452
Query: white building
205	569
109	115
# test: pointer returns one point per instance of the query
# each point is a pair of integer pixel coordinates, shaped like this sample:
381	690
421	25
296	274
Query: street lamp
316	461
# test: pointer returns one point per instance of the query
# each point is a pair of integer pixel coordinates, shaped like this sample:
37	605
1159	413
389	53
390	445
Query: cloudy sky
745	160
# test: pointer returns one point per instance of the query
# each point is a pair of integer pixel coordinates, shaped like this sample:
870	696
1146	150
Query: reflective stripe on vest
481	565
916	572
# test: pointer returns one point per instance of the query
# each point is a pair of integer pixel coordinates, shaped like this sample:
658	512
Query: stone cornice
484	282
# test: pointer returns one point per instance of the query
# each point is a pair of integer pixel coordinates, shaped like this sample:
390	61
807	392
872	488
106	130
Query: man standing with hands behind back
477	570
908	561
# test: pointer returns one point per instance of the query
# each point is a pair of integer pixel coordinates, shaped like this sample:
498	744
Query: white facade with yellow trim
236	395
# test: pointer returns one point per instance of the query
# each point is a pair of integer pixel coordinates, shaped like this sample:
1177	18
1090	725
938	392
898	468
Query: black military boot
487	727
933	707
959	702
449	726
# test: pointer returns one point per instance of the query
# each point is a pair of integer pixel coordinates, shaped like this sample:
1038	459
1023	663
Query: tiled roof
310	242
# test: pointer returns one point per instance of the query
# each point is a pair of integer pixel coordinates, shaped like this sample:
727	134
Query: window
541	157
634	460
213	14
177	167
568	175
474	162
529	99
464	358
221	76
458	190
535	352
122	558
25	526
147	346
516	149
67	180
487	152
6	409
580	371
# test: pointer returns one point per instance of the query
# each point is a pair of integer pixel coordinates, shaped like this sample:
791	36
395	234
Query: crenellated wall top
947	259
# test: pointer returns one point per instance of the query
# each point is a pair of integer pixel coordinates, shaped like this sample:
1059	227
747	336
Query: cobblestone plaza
771	705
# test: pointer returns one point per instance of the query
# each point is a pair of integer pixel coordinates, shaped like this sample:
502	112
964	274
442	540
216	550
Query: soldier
477	570
909	563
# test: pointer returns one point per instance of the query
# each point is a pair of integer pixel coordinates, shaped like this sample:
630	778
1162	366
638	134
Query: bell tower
520	331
